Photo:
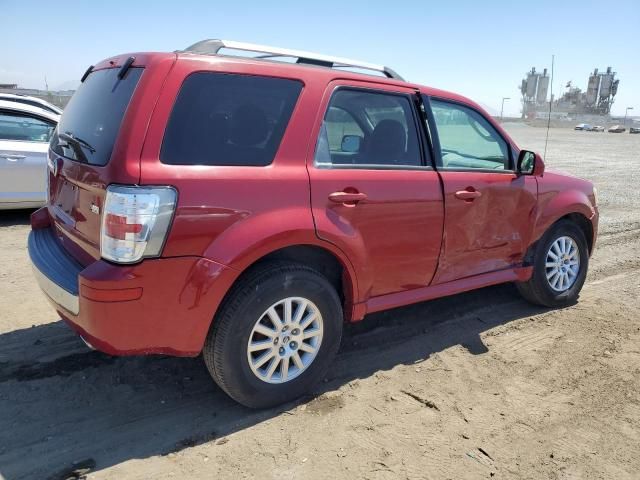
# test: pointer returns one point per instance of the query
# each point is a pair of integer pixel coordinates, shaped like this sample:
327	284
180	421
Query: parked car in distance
596	128
25	131
33	101
582	126
617	129
245	208
634	129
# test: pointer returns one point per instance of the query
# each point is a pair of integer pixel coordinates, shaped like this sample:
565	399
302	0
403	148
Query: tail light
135	222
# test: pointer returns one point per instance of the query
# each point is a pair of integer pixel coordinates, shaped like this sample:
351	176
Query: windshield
90	123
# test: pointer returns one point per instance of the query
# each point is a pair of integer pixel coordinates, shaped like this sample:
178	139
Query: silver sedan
24	141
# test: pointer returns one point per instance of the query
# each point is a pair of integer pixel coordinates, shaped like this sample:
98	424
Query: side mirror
351	143
530	163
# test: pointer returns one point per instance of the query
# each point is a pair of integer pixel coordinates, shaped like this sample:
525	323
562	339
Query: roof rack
212	47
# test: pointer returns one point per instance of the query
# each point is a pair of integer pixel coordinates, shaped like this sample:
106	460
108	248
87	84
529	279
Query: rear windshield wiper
76	145
68	136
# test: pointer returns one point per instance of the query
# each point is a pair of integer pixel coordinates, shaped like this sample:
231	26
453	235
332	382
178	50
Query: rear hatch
98	142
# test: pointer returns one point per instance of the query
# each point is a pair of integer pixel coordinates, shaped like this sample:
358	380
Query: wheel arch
322	256
577	218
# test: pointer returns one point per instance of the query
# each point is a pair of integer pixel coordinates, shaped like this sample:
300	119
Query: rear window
226	119
90	123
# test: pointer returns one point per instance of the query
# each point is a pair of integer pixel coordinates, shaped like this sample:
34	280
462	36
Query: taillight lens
135	222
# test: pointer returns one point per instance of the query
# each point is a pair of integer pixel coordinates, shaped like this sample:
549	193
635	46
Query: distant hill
68	85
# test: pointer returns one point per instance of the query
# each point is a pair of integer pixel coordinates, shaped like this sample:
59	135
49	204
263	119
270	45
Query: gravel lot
480	385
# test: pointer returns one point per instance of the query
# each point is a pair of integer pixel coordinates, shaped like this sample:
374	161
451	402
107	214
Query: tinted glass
93	116
339	124
467	139
14	126
224	119
384	121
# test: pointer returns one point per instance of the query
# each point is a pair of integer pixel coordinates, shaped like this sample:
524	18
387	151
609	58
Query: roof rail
213	46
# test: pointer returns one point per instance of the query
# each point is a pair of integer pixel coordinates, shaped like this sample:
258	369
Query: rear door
24	141
373	191
488	207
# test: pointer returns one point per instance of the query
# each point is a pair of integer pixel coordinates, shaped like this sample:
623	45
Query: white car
25	131
33	101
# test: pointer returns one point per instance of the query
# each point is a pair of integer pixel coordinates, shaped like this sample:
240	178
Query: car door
24	141
488	207
374	193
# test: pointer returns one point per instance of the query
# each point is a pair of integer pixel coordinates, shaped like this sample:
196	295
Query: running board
393	300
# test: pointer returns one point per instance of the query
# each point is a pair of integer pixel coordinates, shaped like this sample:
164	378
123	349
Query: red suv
244	208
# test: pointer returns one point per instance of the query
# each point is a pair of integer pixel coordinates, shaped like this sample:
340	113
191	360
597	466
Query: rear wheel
560	265
275	336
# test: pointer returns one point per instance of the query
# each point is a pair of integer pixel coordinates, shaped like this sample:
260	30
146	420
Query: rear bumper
55	271
163	305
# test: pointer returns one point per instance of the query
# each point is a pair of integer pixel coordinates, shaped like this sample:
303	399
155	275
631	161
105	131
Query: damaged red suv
243	208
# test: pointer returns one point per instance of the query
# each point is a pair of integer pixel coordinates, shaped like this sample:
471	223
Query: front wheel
275	336
560	264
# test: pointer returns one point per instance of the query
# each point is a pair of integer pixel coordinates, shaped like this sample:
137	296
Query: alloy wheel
285	340
562	264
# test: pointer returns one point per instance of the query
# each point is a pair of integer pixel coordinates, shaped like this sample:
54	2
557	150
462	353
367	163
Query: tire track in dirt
62	366
191	411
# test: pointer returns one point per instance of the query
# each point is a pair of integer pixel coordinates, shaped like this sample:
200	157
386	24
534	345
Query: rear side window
226	119
90	123
26	128
368	129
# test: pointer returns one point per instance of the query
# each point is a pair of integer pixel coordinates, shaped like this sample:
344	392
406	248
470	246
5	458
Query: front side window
229	120
467	139
364	128
22	127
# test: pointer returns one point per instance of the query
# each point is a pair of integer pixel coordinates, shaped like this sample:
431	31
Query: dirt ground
480	385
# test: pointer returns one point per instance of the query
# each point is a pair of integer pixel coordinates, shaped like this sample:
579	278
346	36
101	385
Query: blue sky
481	49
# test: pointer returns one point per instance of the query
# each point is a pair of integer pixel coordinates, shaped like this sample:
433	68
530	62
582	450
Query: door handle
468	195
347	197
12	158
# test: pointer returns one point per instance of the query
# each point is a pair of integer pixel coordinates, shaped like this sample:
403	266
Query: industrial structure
534	90
598	99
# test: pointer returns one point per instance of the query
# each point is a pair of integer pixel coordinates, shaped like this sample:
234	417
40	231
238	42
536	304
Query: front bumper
162	305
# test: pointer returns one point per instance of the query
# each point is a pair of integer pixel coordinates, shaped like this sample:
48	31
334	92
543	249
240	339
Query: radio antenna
553	57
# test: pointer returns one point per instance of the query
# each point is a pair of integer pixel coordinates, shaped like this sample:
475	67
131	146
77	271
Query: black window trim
437	152
425	155
20	113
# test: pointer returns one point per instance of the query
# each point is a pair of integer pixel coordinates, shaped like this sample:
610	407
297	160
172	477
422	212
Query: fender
555	203
256	236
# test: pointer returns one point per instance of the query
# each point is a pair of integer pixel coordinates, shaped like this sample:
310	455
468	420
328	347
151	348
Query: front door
488	207
373	191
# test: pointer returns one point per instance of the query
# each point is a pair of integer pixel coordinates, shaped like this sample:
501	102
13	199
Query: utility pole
502	108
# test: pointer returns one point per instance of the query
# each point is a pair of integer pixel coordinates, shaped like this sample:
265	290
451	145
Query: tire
538	289
226	350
